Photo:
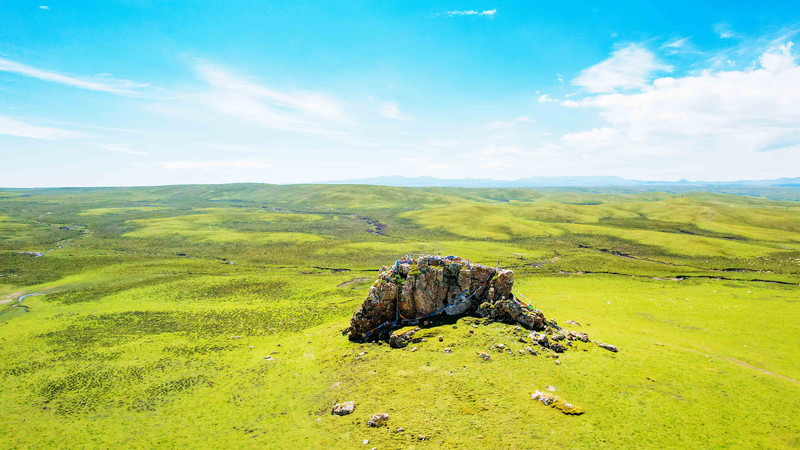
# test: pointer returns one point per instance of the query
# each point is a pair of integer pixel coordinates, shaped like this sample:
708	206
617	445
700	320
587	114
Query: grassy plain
158	306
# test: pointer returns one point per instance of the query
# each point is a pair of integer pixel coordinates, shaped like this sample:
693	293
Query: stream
16	309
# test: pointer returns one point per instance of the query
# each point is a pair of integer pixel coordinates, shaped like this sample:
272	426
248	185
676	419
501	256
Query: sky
171	92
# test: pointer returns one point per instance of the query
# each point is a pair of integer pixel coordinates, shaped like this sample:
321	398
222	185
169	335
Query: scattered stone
252	347
500	346
422	437
543	397
523	340
413	349
572	322
400	338
237	337
485	356
441	338
399	430
608	347
574	335
556	347
269	358
542	340
366	441
471	331
531	351
343	409
558	337
555	402
448	350
551	388
377	420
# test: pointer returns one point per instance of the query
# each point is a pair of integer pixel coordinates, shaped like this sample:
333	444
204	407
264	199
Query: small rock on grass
485	356
343	409
377	420
609	347
555	402
556	347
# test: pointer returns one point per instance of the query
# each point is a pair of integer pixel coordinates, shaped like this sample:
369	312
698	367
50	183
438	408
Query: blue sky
157	92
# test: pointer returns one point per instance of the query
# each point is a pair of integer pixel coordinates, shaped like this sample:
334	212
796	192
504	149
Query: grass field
156	308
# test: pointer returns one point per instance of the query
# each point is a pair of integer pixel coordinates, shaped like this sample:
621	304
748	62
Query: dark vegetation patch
111	329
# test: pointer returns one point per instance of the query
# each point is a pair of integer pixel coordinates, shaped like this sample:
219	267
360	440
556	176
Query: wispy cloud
470	12
101	84
227	96
631	67
499	125
215	165
44	7
723	30
13	127
122	148
392	111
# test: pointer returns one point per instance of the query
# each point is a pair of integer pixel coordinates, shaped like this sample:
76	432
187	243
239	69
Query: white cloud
734	115
471	12
122	148
723	30
524	119
630	67
392	111
544	98
215	165
102	84
44	7
13	127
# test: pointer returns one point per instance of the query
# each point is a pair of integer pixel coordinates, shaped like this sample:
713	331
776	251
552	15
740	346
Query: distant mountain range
542	182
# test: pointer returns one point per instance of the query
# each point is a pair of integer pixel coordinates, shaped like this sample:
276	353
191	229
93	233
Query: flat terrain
157	307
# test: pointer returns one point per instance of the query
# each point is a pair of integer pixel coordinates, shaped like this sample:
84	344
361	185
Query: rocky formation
416	289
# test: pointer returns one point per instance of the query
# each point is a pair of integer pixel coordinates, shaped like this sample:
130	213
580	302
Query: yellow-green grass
143	335
121	210
213	226
481	221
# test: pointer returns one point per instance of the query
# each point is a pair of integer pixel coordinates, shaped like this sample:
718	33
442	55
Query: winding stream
16	309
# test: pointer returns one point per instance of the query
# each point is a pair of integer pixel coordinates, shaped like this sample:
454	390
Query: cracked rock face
432	285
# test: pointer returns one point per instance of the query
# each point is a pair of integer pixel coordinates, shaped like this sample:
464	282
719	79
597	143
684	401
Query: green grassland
156	308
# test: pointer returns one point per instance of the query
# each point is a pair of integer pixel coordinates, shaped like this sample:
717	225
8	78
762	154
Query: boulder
378	420
343	409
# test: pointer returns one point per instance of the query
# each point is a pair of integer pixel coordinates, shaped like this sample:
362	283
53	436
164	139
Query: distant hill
541	182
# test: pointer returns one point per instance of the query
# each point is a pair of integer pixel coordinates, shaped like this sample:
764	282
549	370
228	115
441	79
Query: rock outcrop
416	289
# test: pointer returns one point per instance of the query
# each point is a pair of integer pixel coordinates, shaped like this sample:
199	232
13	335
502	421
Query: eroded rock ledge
416	289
